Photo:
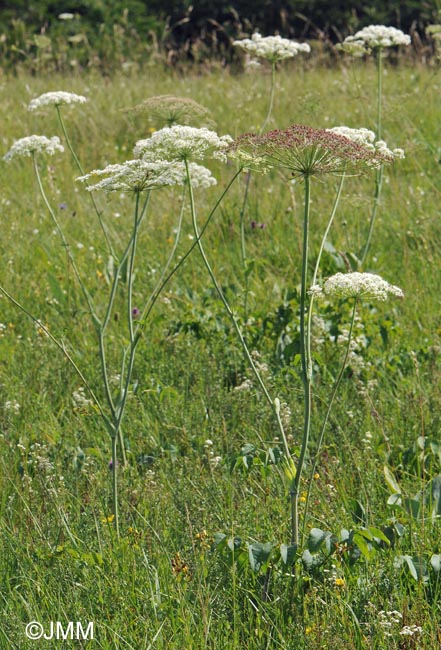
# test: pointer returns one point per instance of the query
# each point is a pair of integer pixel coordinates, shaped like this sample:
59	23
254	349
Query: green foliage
171	581
114	34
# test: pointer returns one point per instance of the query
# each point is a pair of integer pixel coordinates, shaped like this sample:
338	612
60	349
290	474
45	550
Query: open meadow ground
205	555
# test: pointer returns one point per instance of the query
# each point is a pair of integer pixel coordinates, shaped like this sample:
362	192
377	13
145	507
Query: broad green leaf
395	500
316	539
435	562
358	512
234	543
288	553
412	507
379	534
219	540
259	554
362	544
391	480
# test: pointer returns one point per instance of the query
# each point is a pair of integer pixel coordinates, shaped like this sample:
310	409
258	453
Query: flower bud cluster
374	37
271	48
179	143
140	175
368	286
31	144
56	98
366	138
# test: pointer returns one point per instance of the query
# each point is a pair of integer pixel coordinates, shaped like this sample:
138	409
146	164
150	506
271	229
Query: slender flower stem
271	97
80	168
160	284
115	483
306	368
60	345
380	170
228	308
319	257
130	270
153	298
328	411
247	187
87	297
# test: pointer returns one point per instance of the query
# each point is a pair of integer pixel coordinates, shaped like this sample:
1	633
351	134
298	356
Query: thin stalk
130	271
271	98
227	306
160	284
380	170
61	347
328	411
247	187
93	314
153	298
115	484
319	257
80	168
306	369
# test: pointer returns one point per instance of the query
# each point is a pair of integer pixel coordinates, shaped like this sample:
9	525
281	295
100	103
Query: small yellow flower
302	497
309	629
316	475
340	582
108	520
151	129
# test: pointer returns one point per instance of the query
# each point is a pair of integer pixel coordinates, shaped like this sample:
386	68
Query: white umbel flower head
367	286
182	143
32	144
271	48
374	37
56	98
141	175
366	138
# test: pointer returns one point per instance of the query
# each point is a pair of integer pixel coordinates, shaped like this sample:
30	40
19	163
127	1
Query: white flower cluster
13	406
366	139
272	48
182	143
374	37
140	175
357	285
411	630
79	398
34	144
56	98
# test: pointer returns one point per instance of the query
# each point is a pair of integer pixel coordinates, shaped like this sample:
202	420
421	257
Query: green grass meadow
202	446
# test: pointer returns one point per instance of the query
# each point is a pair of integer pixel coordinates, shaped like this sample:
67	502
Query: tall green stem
247	188
319	256
328	411
273	404
306	368
80	168
271	97
380	170
86	295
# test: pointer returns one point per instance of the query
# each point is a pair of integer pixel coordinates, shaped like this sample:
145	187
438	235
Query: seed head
168	110
306	151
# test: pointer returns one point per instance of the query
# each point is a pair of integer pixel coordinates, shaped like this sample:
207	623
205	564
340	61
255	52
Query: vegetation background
102	33
197	464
